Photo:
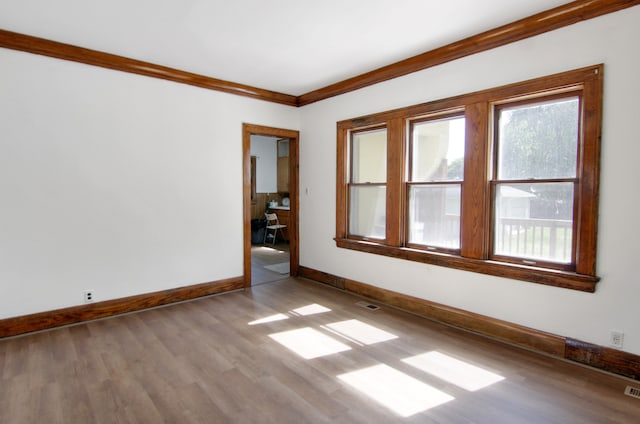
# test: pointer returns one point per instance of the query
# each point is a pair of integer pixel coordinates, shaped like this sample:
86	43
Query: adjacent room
289	212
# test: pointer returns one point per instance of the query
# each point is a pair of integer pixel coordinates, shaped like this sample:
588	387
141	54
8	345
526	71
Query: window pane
534	221
539	140
367	211
434	215
438	150
369	157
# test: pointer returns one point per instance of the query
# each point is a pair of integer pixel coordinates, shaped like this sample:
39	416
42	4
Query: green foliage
539	141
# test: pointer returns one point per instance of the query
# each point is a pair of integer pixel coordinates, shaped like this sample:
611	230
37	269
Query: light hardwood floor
268	255
212	361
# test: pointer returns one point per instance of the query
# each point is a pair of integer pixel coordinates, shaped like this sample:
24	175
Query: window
367	187
436	159
502	182
535	180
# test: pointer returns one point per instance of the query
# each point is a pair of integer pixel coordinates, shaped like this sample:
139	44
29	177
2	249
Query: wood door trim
294	199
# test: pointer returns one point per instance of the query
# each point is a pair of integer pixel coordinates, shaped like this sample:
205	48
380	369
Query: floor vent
633	392
368	305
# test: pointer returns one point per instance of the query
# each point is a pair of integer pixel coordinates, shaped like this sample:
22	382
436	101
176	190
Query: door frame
294	138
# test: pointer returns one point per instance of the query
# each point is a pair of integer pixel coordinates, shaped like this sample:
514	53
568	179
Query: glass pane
369	157
438	150
367	211
534	221
434	215
539	140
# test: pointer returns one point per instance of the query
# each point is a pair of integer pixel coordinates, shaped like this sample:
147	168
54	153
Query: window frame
494	181
476	211
352	184
408	183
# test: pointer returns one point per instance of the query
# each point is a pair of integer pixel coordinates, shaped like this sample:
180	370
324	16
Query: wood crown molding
567	14
599	357
561	16
41	46
75	314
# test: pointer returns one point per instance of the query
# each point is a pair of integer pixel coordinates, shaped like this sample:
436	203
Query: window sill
550	277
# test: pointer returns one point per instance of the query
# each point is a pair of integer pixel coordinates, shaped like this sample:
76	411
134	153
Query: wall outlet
88	296
616	338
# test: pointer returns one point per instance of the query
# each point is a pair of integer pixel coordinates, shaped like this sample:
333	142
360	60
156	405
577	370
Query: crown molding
41	46
549	20
561	16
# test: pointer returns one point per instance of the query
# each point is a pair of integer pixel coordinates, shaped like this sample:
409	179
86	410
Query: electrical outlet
88	296
616	338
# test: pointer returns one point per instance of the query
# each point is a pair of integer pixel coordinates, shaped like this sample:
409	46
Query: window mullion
395	181
474	212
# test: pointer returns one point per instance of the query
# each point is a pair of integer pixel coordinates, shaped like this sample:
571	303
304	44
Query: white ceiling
290	46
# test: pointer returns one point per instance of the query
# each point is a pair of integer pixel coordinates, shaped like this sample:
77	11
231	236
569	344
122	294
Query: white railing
548	239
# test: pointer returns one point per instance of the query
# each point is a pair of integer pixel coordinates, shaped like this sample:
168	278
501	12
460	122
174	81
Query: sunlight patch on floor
271	318
356	330
309	343
312	309
455	371
395	390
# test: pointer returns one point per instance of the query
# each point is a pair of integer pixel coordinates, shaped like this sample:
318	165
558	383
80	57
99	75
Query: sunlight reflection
354	329
455	371
276	317
309	343
397	391
314	308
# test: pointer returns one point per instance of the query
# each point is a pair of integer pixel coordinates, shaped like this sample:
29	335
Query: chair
272	225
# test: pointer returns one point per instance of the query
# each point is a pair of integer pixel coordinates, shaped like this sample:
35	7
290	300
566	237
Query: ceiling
288	46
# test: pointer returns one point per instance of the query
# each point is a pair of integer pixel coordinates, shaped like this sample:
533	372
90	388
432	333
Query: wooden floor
262	256
235	358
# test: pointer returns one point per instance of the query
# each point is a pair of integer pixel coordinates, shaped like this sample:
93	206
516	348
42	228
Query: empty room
338	211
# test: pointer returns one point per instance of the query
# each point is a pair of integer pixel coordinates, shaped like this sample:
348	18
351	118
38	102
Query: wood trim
475	251
599	357
561	16
56	318
395	182
531	274
474	222
41	46
479	324
322	277
604	358
587	213
294	158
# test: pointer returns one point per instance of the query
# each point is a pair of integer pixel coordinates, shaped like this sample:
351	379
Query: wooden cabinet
283	174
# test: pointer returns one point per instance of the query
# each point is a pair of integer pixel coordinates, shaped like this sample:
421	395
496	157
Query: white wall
265	149
612	40
115	182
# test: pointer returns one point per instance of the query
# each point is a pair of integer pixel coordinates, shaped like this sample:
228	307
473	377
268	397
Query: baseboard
59	317
603	358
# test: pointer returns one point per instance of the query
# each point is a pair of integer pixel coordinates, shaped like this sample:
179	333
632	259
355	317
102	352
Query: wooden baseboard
56	318
603	358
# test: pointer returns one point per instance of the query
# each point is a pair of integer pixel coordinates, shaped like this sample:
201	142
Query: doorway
252	200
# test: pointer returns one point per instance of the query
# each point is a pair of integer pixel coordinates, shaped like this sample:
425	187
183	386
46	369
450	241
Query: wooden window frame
410	183
475	218
350	178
